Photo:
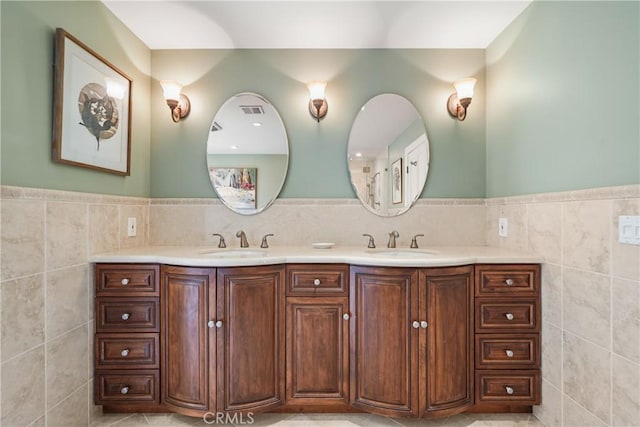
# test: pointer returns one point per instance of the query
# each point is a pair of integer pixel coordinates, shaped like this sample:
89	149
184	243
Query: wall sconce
317	102
459	101
178	102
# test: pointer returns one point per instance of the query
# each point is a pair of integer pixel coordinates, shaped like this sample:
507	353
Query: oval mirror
247	153
388	155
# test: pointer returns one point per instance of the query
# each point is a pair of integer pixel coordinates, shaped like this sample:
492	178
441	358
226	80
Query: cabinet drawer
516	387
506	315
317	279
520	279
127	315
127	279
508	351
125	387
127	351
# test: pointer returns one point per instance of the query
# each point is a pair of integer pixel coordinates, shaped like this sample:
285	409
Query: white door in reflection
416	155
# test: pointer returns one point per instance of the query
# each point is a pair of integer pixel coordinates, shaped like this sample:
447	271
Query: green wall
27	41
318	152
562	99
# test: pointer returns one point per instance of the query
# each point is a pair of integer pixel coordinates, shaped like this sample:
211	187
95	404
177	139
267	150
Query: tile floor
320	420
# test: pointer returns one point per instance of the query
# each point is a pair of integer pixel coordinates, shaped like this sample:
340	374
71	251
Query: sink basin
234	253
402	253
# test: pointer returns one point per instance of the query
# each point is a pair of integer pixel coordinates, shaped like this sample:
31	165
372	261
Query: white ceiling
358	24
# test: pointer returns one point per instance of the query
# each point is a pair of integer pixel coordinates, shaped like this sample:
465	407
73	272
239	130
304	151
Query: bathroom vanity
415	334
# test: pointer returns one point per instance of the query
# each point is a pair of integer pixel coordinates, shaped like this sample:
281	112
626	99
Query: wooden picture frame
91	109
396	181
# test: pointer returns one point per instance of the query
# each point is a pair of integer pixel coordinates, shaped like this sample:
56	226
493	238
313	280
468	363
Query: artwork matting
91	110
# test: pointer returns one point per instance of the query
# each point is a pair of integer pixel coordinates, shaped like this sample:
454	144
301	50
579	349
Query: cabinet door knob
509	282
509	316
125	316
219	324
415	324
210	324
345	316
125	352
508	389
124	390
424	324
316	282
509	353
124	281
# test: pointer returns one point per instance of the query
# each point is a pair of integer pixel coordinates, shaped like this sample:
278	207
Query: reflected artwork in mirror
388	155
247	153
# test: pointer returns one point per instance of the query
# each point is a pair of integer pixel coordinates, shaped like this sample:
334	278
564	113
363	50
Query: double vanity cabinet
334	337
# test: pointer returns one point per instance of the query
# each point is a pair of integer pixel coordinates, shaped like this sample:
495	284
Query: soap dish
323	245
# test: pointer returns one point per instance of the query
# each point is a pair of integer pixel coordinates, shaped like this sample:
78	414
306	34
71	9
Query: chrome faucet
392	239
371	244
414	241
264	243
243	239
222	243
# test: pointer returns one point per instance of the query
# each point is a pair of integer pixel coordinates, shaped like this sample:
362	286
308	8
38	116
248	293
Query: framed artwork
91	109
236	187
396	181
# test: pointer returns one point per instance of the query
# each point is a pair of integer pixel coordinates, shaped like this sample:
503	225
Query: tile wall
299	222
46	298
591	283
590	298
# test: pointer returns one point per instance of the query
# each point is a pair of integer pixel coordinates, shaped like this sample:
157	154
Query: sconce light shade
114	88
317	103
177	101
458	102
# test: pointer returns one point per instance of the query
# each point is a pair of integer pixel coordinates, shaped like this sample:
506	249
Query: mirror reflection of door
387	132
416	156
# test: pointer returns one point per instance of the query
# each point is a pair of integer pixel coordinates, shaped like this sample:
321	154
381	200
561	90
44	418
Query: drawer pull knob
125	316
509	353
509	316
219	324
125	352
124	281
316	282
415	324
346	316
509	390
509	282
124	390
424	324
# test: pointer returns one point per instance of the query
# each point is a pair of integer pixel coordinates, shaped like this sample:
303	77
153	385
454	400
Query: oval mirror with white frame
388	155
247	153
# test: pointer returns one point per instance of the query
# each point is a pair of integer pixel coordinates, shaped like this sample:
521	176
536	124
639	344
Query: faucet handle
264	243
372	244
414	241
222	243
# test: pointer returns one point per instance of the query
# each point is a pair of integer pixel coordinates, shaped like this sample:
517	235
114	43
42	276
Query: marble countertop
211	256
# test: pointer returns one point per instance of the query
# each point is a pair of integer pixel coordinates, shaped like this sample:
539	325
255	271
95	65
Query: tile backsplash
591	288
46	298
590	298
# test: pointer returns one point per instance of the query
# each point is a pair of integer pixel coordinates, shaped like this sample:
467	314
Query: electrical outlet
502	227
132	229
629	229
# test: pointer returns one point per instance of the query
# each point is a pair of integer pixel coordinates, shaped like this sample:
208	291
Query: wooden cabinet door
446	295
251	344
317	351
384	344
188	362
